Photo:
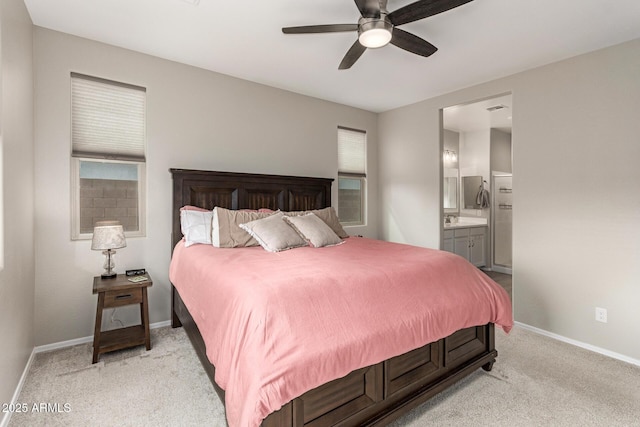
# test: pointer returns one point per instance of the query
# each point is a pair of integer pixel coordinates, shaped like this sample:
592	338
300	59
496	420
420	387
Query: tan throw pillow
226	231
313	230
273	234
328	215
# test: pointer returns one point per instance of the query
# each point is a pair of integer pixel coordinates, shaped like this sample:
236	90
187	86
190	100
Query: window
108	155
352	159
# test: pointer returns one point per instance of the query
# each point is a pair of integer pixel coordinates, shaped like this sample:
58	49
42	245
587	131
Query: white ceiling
477	42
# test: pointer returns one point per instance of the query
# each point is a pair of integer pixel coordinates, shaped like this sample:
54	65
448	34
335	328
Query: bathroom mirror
450	193
450	190
470	188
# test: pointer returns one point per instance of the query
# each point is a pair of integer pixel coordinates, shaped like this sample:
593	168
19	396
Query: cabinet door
461	246
477	252
448	241
448	245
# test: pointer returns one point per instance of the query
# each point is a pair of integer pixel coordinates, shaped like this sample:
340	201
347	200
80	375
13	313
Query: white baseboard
55	346
580	344
501	269
7	416
83	340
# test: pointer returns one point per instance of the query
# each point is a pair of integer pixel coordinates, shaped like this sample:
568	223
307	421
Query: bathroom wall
475	150
500	155
452	143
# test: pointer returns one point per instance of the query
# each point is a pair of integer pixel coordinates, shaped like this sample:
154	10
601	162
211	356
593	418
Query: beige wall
195	119
576	215
16	155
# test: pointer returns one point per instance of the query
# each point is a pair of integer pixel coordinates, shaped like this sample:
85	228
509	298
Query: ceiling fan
377	27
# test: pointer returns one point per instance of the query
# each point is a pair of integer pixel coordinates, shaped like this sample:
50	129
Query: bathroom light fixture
450	156
374	33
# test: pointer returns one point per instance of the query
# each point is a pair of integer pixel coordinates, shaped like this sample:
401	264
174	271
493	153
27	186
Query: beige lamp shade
108	235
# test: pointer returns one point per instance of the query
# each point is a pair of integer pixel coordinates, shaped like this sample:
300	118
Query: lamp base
109	264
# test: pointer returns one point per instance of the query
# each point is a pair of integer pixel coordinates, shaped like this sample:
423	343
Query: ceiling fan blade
352	56
310	29
412	43
423	9
369	8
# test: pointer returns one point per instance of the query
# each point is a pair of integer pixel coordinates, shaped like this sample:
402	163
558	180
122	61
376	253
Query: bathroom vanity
468	239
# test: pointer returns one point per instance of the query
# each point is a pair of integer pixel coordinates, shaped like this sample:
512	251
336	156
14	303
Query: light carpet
536	381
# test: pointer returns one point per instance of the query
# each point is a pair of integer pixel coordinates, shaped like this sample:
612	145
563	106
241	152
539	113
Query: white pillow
273	234
313	230
196	226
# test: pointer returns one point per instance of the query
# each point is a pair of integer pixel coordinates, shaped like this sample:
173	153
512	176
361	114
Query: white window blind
107	119
352	152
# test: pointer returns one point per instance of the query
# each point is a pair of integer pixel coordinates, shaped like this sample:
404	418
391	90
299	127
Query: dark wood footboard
374	395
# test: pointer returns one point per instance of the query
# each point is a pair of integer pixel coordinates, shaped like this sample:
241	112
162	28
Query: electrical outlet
601	314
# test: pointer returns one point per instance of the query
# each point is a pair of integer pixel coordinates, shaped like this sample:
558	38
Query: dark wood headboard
207	189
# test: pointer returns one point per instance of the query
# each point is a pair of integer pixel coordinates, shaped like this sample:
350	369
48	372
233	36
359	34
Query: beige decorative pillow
226	231
328	215
313	230
273	234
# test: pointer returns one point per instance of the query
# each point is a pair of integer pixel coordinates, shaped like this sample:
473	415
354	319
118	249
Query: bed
372	394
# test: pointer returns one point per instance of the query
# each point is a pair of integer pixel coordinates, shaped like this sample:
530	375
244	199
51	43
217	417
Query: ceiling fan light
375	38
375	33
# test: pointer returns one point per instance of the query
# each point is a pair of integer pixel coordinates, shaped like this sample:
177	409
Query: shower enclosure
502	222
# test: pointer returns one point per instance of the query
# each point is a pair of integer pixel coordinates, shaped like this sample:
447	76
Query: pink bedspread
279	324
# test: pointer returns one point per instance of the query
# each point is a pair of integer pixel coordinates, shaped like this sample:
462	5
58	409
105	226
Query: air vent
496	108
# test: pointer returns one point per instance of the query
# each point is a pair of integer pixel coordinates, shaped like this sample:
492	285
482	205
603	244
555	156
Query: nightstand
114	293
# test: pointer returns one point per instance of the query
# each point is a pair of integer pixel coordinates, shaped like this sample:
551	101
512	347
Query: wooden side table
119	292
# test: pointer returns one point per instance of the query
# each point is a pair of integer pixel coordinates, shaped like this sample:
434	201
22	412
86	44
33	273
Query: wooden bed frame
373	395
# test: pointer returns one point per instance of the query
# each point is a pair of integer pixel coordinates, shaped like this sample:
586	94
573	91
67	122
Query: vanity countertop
464	222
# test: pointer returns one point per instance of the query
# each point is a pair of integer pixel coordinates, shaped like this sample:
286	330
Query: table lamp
107	236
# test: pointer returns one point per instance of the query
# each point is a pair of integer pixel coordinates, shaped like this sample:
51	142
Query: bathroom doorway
477	142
